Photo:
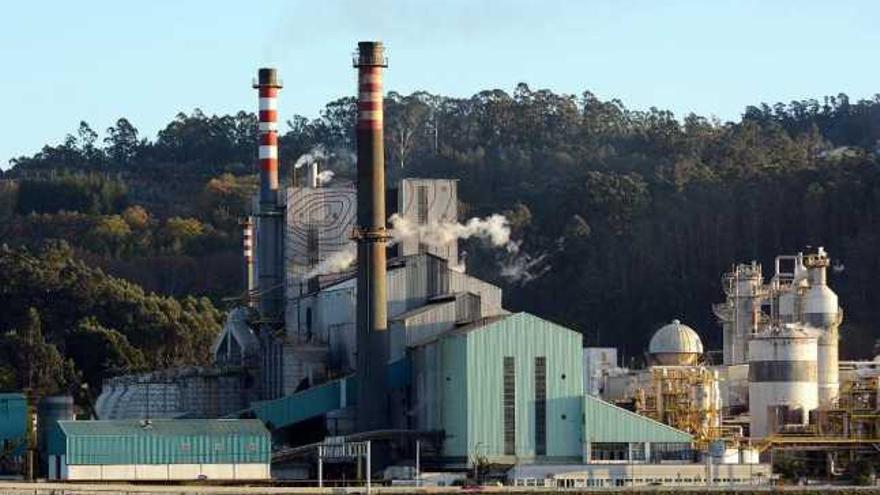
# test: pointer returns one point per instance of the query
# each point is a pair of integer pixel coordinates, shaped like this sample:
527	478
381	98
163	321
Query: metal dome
675	343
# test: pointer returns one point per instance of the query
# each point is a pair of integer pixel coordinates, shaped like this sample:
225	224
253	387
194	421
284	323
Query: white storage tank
821	310
782	376
675	344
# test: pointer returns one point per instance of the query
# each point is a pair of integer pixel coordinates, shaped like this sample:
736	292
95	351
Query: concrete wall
623	475
164	472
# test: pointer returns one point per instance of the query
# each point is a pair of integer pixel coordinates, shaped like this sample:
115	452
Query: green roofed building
219	449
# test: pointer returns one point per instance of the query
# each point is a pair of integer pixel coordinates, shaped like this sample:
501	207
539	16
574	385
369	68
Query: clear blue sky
66	61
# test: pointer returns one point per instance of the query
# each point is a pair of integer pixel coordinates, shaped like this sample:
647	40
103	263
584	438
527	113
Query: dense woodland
624	218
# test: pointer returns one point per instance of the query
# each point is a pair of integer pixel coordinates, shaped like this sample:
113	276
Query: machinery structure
344	336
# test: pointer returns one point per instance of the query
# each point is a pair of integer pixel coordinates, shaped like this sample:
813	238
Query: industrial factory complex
358	353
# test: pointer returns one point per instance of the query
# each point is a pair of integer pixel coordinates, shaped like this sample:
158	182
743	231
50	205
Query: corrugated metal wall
420	325
525	337
490	295
605	422
460	377
303	405
176	442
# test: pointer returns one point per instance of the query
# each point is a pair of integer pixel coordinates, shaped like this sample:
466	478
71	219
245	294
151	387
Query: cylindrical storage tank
51	410
782	373
821	311
747	311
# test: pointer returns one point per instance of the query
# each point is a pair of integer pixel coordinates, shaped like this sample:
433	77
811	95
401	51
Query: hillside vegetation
624	218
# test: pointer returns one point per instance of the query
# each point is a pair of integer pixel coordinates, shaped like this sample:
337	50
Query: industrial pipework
269	229
371	237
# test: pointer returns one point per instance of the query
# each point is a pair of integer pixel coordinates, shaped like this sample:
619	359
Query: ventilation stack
269	228
371	237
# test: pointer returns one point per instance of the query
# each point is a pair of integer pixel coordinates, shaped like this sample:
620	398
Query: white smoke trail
335	263
519	267
494	228
325	176
316	153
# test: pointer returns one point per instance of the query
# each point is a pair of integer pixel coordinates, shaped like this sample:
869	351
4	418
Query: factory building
624	449
350	328
159	450
14	423
506	388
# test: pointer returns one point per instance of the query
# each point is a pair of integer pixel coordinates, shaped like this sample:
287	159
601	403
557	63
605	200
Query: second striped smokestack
371	237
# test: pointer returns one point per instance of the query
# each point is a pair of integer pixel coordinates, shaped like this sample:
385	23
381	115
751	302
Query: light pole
418	463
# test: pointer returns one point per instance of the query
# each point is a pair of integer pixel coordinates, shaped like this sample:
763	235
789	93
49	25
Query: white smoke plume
317	153
325	176
335	263
520	267
495	229
517	266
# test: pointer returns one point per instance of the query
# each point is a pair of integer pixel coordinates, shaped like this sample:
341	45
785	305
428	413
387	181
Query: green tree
112	233
101	352
38	365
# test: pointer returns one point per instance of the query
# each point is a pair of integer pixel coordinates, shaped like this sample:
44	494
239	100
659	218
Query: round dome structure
675	344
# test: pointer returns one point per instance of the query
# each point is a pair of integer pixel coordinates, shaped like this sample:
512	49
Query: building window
422	204
672	452
509	405
637	451
541	405
604	451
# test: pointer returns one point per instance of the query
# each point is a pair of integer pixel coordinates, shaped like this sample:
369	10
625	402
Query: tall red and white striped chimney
268	86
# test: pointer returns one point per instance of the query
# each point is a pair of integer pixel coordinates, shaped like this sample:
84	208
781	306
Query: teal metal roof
605	422
314	401
159	441
323	398
162	427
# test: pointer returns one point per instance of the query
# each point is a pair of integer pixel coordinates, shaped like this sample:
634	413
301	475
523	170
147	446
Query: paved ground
21	488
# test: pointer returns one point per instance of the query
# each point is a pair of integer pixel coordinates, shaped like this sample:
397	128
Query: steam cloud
517	266
317	153
494	228
325	176
520	267
334	263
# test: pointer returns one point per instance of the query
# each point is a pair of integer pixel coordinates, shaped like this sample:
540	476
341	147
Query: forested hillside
624	218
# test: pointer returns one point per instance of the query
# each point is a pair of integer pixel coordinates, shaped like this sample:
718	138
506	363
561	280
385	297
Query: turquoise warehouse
504	389
222	449
13	429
